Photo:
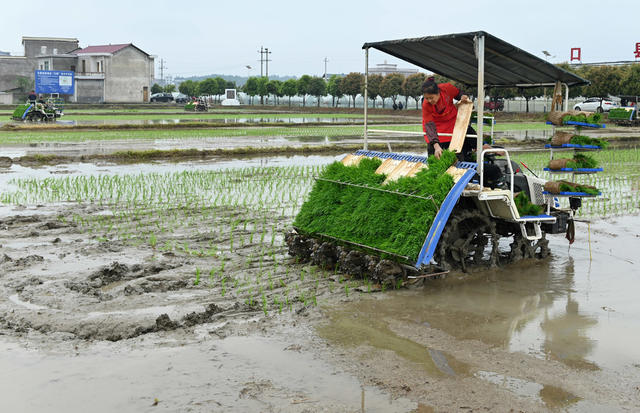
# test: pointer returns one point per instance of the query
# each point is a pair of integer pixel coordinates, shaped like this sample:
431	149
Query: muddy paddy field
167	286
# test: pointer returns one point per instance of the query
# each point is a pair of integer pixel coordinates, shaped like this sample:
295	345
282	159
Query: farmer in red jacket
439	116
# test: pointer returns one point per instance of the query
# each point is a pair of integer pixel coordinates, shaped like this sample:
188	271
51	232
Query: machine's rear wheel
522	248
34	116
468	240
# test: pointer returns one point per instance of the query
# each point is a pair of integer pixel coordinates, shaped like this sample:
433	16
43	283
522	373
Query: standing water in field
181	269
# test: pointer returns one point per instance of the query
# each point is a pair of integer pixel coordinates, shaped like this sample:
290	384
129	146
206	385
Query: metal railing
89	73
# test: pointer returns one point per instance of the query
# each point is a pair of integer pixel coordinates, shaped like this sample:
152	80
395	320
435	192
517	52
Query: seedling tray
576	170
578	194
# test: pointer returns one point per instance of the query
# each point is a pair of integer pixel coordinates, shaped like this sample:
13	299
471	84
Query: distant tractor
625	116
38	111
196	105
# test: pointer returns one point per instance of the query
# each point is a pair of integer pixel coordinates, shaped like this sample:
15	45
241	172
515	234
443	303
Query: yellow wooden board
456	173
404	168
417	168
352	160
400	170
387	166
393	168
461	126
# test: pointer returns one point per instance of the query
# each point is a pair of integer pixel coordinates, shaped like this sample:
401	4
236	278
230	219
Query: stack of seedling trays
580	120
580	163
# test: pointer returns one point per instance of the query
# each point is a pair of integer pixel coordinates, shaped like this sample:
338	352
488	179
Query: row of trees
351	85
306	85
605	81
210	86
156	88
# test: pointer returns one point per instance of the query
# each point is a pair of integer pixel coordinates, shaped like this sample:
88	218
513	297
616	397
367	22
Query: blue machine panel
440	220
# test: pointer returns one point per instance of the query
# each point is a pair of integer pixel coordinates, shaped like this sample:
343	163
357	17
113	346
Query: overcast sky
203	37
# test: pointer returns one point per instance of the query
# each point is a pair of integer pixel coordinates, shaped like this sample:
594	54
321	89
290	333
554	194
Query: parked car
494	105
593	105
161	97
180	97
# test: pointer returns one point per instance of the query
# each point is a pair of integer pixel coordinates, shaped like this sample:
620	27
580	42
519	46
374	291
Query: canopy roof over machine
455	56
474	58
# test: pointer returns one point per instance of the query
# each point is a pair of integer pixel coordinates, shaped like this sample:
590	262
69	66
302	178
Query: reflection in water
570	308
565	333
502	308
552	396
513	307
557	398
493	306
361	324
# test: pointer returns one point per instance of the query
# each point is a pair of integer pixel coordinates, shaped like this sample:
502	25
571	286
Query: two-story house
114	73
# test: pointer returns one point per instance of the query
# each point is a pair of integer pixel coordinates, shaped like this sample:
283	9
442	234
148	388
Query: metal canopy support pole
565	105
366	96
479	45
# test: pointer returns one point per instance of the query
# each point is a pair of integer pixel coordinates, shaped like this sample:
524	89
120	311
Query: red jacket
441	117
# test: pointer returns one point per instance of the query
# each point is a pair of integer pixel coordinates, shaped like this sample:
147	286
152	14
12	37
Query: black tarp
453	56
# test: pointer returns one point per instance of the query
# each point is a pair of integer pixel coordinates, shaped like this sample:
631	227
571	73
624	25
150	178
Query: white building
390	68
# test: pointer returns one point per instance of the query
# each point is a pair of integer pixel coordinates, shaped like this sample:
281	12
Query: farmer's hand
438	151
464	99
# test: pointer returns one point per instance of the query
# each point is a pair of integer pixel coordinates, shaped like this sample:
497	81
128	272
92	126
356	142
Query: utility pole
162	67
267	60
264	58
325	68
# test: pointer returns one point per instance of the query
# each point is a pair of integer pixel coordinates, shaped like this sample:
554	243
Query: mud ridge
117	272
164	323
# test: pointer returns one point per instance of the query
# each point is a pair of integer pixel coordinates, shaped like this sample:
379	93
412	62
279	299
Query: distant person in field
32	96
399	105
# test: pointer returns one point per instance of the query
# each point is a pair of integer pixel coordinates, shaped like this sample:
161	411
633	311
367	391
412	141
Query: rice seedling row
230	223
